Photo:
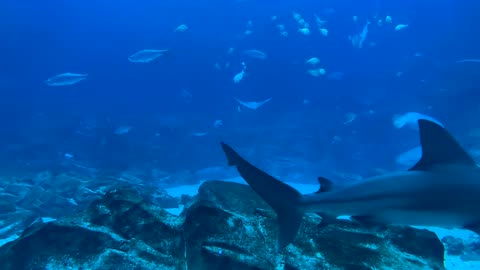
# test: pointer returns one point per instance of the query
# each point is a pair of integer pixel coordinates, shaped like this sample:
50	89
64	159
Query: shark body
442	189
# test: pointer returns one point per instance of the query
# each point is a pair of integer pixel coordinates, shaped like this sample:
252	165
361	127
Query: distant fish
410	119
146	56
316	72
239	76
186	95
281	29
359	39
256	54
401	27
349	118
215	172
319	21
252	104
72	201
468	61
122	130
410	157
199	134
388	19
217	123
181	28
65	79
313	61
47	219
328	11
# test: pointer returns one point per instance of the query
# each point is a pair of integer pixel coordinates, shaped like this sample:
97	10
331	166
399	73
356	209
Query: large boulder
226	226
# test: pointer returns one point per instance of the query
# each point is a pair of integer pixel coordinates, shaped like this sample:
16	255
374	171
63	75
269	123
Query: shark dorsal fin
439	148
325	184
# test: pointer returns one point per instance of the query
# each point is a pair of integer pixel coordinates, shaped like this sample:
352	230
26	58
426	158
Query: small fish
401	27
319	21
410	157
217	123
255	54
252	104
239	76
335	76
181	28
146	56
296	16
47	219
304	31
358	39
468	61
303	23
313	61
410	119
316	72
199	134
324	32
122	130
441	189
65	79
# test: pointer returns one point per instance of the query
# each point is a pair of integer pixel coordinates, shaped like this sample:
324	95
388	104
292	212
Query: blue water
43	38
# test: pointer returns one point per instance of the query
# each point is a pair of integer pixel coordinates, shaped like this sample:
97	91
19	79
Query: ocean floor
451	262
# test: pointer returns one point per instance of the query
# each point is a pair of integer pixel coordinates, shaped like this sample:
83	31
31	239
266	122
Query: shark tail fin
283	198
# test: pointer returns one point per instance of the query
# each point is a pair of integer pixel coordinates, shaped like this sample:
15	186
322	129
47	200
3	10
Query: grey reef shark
442	189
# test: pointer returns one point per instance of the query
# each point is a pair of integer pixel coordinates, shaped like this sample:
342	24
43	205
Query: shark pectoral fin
439	148
283	198
325	184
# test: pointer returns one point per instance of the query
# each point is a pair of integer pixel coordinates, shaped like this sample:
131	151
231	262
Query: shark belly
423	218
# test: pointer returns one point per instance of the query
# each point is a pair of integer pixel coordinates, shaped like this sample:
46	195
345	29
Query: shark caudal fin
281	197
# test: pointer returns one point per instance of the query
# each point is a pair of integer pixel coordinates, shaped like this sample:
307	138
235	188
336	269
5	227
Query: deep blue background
40	39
